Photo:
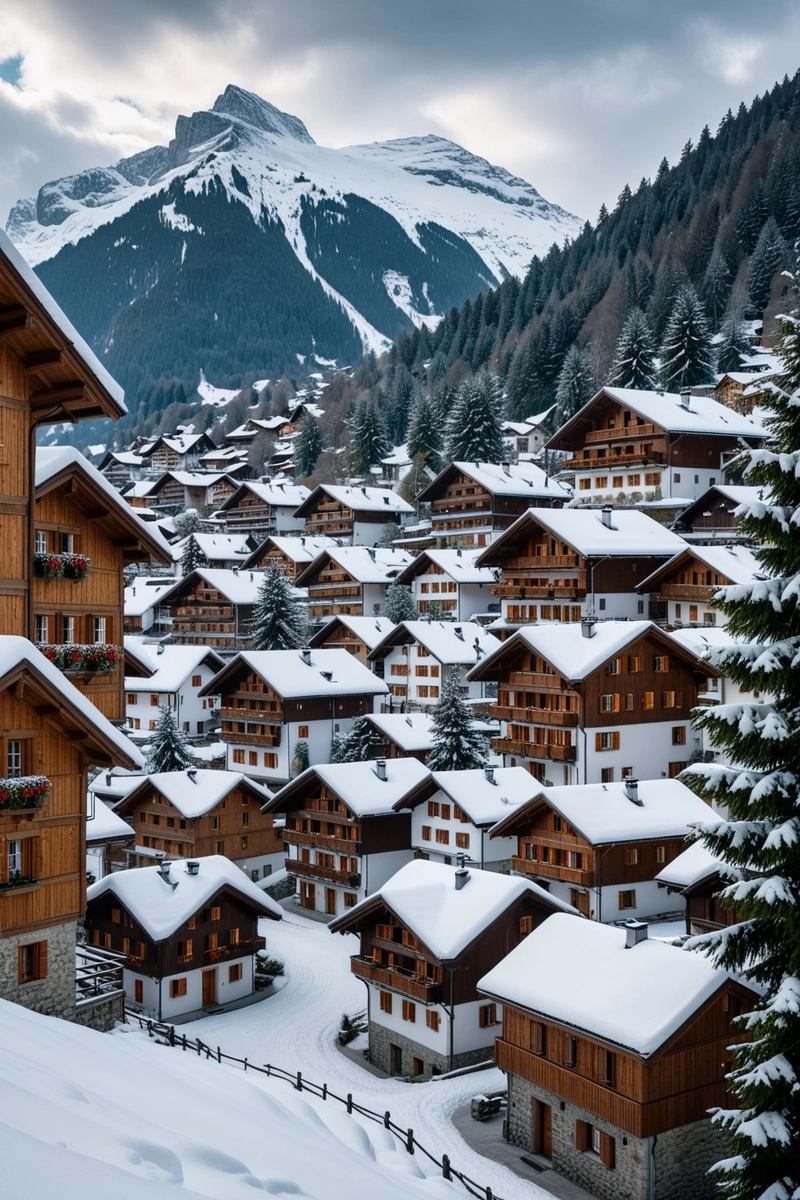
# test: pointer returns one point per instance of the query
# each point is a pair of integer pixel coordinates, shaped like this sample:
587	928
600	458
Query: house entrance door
330	901
209	987
542	1129
308	895
395	1060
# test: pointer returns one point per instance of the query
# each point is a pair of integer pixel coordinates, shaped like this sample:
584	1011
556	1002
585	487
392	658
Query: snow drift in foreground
85	1113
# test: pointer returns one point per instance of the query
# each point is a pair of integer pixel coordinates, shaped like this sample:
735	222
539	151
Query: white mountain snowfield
273	166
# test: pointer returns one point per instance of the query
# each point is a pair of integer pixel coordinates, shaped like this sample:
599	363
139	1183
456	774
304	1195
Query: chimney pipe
462	874
685	397
163	868
506	468
605	515
489	773
192	867
305	654
635	932
380	769
632	791
192	773
588	627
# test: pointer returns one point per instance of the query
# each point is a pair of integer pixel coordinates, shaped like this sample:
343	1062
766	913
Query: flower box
18	880
77	659
24	792
61	566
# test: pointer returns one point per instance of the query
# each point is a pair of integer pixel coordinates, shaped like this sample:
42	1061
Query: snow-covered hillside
364	241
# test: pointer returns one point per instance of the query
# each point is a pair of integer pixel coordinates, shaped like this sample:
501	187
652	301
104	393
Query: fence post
489	1194
446	1167
172	1035
245	1064
184	1041
386	1120
350	1103
197	1044
219	1055
149	1028
299	1084
324	1091
410	1141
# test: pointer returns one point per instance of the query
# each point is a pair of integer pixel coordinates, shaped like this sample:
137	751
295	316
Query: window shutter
607	1150
41	965
598	741
582	1135
615	740
20	965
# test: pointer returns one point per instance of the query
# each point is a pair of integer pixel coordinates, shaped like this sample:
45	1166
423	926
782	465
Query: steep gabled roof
624	533
695	865
103	825
459	565
359	499
301	549
369	630
721	496
274	493
357	784
240	587
736	564
361	563
143	593
410	731
330	672
194	792
523	479
168	667
217	547
423	897
453	643
485	795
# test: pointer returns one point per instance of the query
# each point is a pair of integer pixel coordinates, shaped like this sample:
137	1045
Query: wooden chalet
594	702
601	846
272	699
245	434
350	580
196	952
402	735
415	656
615	1046
427	935
472	502
358	635
712	517
108	840
178	490
650	445
213	607
743	390
355	516
120	467
343	837
685	585
289	555
84	537
699	878
262	509
188	814
142	611
451	583
181	452
566	564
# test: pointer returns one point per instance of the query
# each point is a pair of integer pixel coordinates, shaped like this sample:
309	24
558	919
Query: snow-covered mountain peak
246	106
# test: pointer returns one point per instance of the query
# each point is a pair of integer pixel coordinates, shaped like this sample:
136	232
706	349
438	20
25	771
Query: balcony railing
426	991
541	716
315	871
544	870
61	566
594	461
528	591
324	841
534	750
688	591
24	793
78	659
626	433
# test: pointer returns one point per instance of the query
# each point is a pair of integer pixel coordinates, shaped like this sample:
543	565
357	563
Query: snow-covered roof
691	867
240	587
664	409
701	639
193	479
423	896
16	651
181	443
143	593
451	643
162	909
360	787
275	493
637	998
137	489
487	800
603	812
52	460
115	783
34	284
217	547
369	630
171	666
328	672
412	732
303	549
363	499
456	564
506	479
625	532
736	564
736	494
196	792
570	653
103	825
362	563
127	458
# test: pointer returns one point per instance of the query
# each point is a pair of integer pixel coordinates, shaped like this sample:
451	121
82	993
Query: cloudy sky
577	96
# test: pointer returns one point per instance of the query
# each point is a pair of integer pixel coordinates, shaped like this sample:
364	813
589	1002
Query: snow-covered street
296	1029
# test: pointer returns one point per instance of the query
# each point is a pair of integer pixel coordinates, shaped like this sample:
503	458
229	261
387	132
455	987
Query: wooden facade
203	615
466	512
331	589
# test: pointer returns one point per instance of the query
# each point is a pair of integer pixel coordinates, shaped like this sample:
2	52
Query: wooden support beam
14	319
32	364
67	395
96	514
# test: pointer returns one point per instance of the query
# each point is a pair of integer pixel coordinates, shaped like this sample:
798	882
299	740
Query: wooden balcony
626	433
688	591
534	750
324	814
527	591
264	716
323	841
541	562
535	679
395	980
249	739
596	461
543	870
538	715
314	872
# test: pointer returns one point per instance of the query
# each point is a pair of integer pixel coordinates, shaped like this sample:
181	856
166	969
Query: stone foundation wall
283	888
101	1014
381	1038
682	1156
54	995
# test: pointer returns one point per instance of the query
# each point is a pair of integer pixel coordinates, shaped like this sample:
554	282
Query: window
31	962
692	612
601	604
606	741
215	822
710	618
426	833
215	913
661	662
631	856
98	630
443	837
614	666
234	937
679	735
245	818
116	916
652	479
608	1067
648	701
40	543
674	769
609	702
271	760
350	899
13	758
409	1011
607	775
584	485
177	987
634	664
445	812
67	543
138	991
252	758
570	1051
677	476
244	843
462	841
67	630
433	808
220	847
14	857
197	680
660	854
432	1019
556	822
42	629
538	1038
153	701
629	701
525	925
591	1140
634	481
616	481
669	700
185	950
627	899
302	731
487	1015
601	481
575	860
131	698
235	972
238	756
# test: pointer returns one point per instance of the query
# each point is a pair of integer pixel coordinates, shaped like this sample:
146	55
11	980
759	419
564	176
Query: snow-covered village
399	601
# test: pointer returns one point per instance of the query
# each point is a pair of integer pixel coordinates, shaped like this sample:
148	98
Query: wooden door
308	895
542	1129
330	901
209	987
395	1059
579	900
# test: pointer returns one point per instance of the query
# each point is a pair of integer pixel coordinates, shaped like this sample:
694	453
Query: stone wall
283	888
682	1156
54	995
101	1014
381	1038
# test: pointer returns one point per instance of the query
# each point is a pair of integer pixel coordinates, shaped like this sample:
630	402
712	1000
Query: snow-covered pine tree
733	344
192	557
474	433
634	358
686	355
300	759
279	621
768	257
168	750
425	432
308	446
399	604
716	288
368	441
186	522
456	745
758	838
360	743
575	386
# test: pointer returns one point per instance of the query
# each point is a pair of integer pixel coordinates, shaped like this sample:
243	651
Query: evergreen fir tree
634	358
192	557
734	344
456	745
186	522
308	446
300	759
474	433
425	432
716	288
399	605
360	743
368	440
768	257
390	533
755	832
576	385
686	355
168	751
279	622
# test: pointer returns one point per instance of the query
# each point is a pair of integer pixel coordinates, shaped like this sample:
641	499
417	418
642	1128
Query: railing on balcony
543	562
248	739
82	659
24	793
98	975
546	870
688	591
330	874
298	837
541	716
534	750
427	991
624	433
534	679
594	461
266	715
528	591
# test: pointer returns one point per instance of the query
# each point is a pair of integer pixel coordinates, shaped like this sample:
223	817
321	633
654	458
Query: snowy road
296	1029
